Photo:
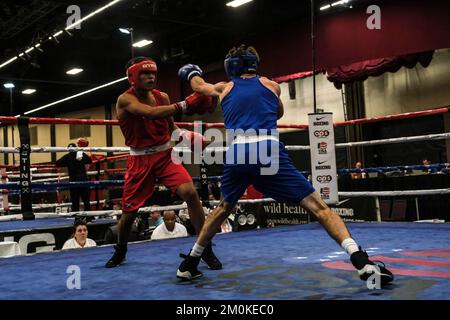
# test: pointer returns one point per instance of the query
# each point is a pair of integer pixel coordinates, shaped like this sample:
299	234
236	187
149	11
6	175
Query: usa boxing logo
325	193
322	147
318	122
322	166
324	178
321	133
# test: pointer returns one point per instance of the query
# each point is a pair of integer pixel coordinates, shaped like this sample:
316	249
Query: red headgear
135	70
82	142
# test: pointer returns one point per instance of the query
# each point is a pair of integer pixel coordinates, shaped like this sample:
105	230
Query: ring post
204	194
25	174
416	200
378	209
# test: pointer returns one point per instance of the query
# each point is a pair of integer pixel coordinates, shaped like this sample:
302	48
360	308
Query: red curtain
360	71
407	26
294	76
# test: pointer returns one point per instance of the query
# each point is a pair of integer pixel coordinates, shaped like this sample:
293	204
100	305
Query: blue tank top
250	105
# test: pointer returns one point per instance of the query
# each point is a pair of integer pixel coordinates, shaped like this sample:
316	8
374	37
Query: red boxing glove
197	103
189	139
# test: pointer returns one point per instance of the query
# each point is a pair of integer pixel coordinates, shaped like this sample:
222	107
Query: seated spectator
155	218
65	199
108	205
426	162
358	175
79	237
112	232
185	220
170	228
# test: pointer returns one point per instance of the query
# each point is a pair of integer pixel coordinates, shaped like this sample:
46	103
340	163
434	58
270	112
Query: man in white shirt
170	228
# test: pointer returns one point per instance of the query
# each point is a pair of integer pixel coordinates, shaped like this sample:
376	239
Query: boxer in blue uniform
250	101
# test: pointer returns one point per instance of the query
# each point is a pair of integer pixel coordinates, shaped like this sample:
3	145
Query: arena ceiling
181	30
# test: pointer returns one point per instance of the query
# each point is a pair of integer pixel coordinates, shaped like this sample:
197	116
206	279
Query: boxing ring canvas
283	263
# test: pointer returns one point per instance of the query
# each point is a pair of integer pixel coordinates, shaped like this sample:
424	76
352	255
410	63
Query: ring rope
112	213
37	120
437	136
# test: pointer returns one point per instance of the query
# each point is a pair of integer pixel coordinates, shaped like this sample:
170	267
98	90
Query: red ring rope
13	120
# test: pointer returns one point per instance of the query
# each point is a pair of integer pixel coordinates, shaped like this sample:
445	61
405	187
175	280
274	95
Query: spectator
185	220
358	175
170	228
108	205
65	199
155	218
79	237
426	162
76	162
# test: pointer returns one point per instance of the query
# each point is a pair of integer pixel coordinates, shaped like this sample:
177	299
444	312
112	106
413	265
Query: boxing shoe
366	268
188	268
210	259
118	257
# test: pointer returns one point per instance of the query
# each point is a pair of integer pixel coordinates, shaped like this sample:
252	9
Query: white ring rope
15	207
438	136
55	175
394	193
112	213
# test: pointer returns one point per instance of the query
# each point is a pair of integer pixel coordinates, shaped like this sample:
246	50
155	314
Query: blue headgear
237	65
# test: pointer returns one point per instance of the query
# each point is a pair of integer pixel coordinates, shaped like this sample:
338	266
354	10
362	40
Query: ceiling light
237	3
92	14
76	95
28	91
60	32
9	85
125	30
325	7
67	28
339	2
74	71
142	43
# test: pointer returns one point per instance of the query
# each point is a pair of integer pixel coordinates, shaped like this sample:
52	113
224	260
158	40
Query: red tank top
141	132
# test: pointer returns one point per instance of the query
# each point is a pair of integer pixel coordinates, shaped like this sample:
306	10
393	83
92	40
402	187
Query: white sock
350	246
197	250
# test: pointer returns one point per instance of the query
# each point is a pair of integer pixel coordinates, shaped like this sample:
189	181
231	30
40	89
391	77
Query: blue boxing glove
188	71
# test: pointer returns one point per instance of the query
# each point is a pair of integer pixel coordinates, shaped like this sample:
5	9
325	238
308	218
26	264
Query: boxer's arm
131	104
276	89
201	86
280	109
172	125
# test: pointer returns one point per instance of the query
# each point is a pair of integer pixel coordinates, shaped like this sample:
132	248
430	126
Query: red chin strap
135	70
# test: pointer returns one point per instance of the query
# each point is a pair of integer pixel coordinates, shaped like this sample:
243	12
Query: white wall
328	98
410	90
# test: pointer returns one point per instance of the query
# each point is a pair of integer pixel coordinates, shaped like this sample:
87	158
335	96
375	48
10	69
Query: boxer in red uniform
145	118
